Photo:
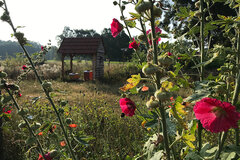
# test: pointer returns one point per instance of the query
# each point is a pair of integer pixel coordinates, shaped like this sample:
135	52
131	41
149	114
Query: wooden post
63	66
94	62
71	58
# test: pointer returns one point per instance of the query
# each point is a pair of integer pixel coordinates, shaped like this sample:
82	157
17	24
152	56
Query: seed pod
165	61
157	12
68	120
23	112
152	103
198	14
143	6
220	89
35	125
47	86
162	95
197	4
149	69
22	125
141	37
3	74
53	153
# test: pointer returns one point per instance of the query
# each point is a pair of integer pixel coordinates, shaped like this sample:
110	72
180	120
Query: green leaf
131	24
183	12
199	94
136	15
215	55
151	123
35	99
134	90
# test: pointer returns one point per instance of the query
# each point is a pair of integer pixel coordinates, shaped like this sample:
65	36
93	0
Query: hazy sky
45	19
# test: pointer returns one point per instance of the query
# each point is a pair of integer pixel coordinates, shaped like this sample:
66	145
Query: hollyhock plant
134	44
116	27
127	106
216	116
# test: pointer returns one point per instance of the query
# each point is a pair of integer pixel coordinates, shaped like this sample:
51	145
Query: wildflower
143	123
19	94
134	45
116	27
216	116
40	133
24	67
63	143
47	157
127	106
169	53
72	125
52	129
144	88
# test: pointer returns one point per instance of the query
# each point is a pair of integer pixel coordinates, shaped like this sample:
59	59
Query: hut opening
84	46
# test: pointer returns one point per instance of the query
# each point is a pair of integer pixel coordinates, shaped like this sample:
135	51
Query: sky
43	20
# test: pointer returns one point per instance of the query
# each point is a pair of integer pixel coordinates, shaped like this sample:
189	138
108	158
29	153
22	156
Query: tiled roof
79	45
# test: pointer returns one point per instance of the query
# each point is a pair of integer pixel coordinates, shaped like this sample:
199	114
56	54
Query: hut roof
76	46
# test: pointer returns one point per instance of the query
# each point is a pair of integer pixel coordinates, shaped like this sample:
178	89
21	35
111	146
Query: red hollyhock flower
24	67
127	106
42	48
134	45
8	111
169	53
216	116
47	157
116	27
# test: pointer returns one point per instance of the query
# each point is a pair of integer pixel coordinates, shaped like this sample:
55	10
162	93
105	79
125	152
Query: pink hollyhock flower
47	157
42	48
157	30
116	27
134	44
169	53
24	67
216	116
127	106
19	94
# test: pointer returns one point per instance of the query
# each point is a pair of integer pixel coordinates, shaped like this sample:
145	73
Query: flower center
219	111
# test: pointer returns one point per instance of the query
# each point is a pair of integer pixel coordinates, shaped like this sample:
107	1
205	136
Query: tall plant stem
144	32
120	2
27	123
40	81
237	81
201	68
220	144
161	108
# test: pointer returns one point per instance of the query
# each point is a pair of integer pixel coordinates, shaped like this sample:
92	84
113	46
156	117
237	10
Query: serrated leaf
167	85
131	24
134	90
183	12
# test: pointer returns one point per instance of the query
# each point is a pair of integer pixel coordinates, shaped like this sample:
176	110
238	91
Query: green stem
144	32
161	108
46	92
26	121
124	19
220	146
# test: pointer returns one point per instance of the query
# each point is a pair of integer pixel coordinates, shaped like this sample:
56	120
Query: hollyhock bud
116	27
149	69
134	45
3	74
152	103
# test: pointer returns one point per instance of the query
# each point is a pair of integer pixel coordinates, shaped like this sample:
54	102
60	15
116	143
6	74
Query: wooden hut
84	46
